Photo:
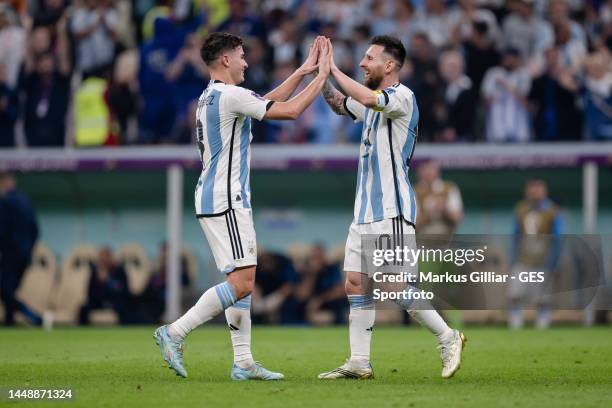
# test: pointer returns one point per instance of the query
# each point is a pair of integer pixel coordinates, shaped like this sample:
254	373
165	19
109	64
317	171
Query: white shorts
231	237
394	228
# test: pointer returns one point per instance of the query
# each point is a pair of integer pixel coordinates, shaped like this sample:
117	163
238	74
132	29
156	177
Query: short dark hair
216	43
393	46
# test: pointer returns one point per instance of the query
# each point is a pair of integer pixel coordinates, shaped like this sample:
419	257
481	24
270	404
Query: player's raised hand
331	51
325	57
310	64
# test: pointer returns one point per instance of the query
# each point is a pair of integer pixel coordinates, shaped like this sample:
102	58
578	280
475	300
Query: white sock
210	304
423	312
361	323
239	321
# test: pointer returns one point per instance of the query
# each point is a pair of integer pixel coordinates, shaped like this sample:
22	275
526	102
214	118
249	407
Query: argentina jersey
223	125
387	143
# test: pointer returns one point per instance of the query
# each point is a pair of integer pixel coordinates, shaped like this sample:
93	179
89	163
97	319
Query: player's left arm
354	89
289	85
386	100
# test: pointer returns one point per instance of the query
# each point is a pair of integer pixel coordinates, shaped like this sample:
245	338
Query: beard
372	81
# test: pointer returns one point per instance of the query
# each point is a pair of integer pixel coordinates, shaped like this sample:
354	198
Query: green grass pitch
118	367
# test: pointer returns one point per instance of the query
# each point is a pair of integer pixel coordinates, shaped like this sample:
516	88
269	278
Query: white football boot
450	353
349	371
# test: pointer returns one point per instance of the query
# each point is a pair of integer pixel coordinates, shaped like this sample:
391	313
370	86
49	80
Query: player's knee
243	287
353	286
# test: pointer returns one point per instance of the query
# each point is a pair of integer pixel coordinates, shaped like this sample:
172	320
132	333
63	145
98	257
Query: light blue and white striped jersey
507	116
223	123
387	143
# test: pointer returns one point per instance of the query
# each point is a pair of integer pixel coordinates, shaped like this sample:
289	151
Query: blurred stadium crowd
108	72
102	285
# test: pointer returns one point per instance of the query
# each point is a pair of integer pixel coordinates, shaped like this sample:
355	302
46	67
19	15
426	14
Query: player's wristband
382	99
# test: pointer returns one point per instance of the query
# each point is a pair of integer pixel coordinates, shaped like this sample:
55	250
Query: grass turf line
123	367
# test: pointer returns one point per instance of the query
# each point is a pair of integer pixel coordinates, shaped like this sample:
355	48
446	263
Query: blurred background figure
152	301
458	115
505	90
553	102
18	234
102	38
319	296
45	86
275	282
107	289
123	98
425	82
12	44
526	31
9	111
598	95
537	225
94	27
439	202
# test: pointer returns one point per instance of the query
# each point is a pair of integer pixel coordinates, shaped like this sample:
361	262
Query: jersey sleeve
393	103
355	110
248	103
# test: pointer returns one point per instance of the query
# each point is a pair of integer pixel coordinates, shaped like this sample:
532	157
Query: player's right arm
341	104
334	98
298	104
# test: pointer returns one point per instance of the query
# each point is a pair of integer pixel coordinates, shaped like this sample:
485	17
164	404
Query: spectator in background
257	76
274	283
552	100
597	93
380	18
436	22
187	75
505	90
320	293
49	12
123	99
347	13
425	83
480	53
184	131
525	31
93	25
285	131
439	202
46	86
558	14
468	14
12	44
107	289
537	223
403	25
158	111
153	298
146	12
40	40
18	234
243	23
285	42
460	99
9	111
571	50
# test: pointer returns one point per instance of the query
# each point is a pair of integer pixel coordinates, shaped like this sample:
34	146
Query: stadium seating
137	266
39	280
71	291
